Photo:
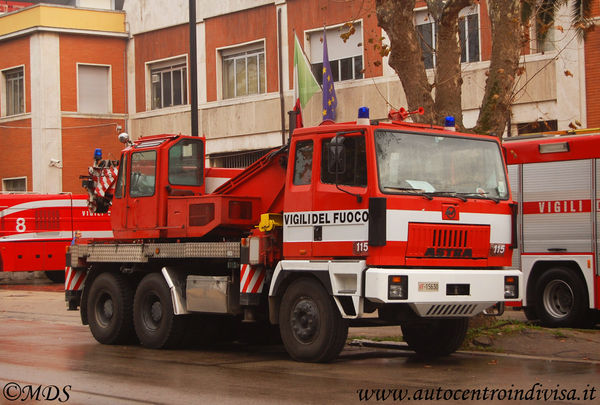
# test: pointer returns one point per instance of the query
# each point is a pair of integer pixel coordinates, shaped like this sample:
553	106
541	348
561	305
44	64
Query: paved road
43	345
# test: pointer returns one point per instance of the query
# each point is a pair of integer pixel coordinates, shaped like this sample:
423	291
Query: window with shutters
94	89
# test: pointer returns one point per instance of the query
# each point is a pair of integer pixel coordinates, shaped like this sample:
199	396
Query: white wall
149	15
99	4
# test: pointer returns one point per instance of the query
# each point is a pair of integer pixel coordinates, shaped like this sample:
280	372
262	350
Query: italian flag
305	84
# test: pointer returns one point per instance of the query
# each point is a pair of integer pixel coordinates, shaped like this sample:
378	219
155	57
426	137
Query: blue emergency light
98	154
363	116
363	112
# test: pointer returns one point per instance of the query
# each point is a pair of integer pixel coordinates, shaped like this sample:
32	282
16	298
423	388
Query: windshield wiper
416	191
482	196
451	194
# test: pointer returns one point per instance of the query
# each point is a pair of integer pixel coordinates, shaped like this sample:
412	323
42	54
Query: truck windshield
433	165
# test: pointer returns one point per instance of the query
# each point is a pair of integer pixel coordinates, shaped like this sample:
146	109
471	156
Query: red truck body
35	229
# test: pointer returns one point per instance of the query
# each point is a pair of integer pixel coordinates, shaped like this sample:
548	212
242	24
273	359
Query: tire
530	313
312	329
57	276
435	337
561	299
109	309
156	325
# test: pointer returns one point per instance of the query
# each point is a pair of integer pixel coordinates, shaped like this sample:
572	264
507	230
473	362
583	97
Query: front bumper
442	292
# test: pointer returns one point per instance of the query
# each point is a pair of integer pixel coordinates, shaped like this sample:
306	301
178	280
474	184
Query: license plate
430	286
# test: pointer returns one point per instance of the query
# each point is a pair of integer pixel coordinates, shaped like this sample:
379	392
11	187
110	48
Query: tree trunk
506	47
397	19
448	78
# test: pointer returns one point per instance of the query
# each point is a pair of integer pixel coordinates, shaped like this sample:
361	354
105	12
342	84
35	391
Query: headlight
511	287
398	287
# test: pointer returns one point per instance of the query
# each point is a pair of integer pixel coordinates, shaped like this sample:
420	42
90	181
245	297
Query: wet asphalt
42	345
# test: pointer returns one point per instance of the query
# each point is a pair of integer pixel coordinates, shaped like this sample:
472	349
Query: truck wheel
530	313
156	325
109	309
435	337
311	326
561	299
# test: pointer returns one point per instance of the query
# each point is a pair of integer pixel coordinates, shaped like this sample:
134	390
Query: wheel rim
105	309
558	298
152	312
305	320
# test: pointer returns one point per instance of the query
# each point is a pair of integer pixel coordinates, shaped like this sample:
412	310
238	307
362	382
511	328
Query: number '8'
21	225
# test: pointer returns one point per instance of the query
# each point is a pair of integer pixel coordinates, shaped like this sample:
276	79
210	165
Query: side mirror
124	138
337	156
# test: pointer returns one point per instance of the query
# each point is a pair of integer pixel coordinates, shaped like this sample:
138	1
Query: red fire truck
36	228
407	221
555	180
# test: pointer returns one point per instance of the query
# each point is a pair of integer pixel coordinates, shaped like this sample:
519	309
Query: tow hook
495	310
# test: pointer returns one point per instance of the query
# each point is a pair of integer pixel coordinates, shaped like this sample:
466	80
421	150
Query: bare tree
509	23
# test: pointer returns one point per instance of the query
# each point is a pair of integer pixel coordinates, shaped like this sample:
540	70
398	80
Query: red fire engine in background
556	181
411	222
36	228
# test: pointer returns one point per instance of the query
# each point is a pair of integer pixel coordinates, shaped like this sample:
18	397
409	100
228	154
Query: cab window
121	179
303	163
143	174
186	163
353	171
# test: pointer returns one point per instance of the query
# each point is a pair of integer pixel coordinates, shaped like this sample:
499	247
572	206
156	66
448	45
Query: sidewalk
522	338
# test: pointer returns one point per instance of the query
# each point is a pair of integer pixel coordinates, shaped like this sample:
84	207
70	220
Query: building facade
62	86
239	47
245	77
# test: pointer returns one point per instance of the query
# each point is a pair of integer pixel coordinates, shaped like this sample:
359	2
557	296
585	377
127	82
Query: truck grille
449	238
448	241
451	310
458	310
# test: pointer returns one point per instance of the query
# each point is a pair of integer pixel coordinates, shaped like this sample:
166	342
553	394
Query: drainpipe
193	69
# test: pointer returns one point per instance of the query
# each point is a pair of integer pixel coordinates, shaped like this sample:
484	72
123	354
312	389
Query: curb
404	347
22	276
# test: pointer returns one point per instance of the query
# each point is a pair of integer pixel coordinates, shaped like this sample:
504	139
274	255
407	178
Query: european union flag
329	98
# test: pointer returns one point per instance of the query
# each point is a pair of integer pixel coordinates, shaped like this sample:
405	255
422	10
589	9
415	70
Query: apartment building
63	94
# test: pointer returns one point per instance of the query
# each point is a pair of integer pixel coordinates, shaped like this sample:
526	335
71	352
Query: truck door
340	203
118	212
298	231
142	207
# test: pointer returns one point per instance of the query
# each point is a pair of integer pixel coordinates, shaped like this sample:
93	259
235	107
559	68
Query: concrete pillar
46	132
